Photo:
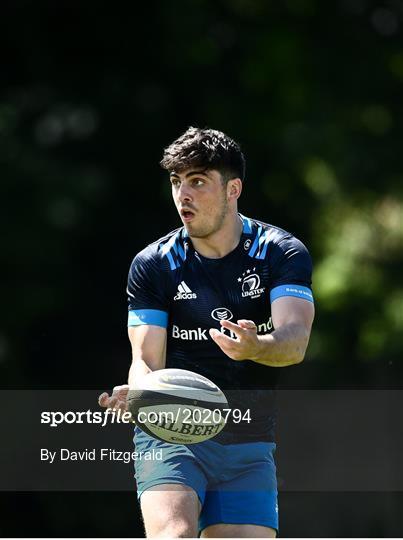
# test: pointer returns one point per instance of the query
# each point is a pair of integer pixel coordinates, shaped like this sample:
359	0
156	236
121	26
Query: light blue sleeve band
147	316
291	290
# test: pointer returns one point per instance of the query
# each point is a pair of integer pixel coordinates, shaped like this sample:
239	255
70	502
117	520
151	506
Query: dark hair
207	148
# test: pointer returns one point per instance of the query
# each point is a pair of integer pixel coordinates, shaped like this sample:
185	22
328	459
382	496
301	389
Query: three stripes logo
184	292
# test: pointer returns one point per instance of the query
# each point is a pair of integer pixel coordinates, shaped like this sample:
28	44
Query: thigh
240	509
247	496
170	487
170	510
238	531
172	465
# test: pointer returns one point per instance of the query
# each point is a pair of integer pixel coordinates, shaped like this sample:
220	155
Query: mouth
187	215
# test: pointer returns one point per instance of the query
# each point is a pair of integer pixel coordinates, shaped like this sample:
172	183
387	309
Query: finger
221	339
121	405
228	345
238	331
103	399
112	402
247	324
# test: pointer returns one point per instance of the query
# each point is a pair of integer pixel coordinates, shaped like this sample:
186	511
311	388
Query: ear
234	188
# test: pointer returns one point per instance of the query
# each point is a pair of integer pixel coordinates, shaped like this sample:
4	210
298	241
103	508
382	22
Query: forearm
148	351
285	346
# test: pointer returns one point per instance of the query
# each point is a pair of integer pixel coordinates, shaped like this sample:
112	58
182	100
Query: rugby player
228	297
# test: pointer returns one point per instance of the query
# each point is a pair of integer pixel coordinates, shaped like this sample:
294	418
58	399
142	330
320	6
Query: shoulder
271	242
163	252
287	258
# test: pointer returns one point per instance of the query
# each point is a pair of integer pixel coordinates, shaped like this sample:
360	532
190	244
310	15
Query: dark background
90	93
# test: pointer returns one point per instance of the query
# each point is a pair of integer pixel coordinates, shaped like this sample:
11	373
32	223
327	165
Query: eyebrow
191	173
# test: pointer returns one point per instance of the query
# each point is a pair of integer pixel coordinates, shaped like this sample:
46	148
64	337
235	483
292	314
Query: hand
117	400
245	346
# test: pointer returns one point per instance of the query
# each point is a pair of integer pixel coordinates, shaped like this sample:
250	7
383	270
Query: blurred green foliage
89	97
90	93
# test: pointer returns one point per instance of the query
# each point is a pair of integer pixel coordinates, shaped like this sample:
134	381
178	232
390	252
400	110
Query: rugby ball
178	406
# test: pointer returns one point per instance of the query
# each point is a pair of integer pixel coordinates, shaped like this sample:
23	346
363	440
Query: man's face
201	200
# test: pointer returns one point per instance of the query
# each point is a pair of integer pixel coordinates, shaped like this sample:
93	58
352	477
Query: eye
198	182
175	182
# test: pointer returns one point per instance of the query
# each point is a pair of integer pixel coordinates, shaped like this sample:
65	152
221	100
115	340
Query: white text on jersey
184	292
189	335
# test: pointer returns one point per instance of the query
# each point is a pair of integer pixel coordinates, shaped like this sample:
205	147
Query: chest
204	293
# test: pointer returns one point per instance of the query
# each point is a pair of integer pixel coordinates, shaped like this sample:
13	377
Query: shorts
235	483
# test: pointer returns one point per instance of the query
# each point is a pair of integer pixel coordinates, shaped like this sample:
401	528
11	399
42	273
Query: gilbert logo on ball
178	406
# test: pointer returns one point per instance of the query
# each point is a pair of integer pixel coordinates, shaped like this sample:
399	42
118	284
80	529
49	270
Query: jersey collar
247	224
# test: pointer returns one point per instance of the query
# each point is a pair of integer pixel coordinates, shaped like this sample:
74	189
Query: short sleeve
146	289
291	270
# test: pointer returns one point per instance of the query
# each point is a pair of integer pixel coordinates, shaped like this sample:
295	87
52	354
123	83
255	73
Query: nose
184	193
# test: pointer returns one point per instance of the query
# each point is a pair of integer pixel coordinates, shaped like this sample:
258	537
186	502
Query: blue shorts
235	483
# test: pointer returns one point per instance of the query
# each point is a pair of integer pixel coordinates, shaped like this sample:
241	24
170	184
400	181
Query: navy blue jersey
171	285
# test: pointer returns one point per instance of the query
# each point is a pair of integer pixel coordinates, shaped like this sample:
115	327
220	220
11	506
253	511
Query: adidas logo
184	293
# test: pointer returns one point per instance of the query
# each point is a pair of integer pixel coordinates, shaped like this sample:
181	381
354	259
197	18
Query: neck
223	241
